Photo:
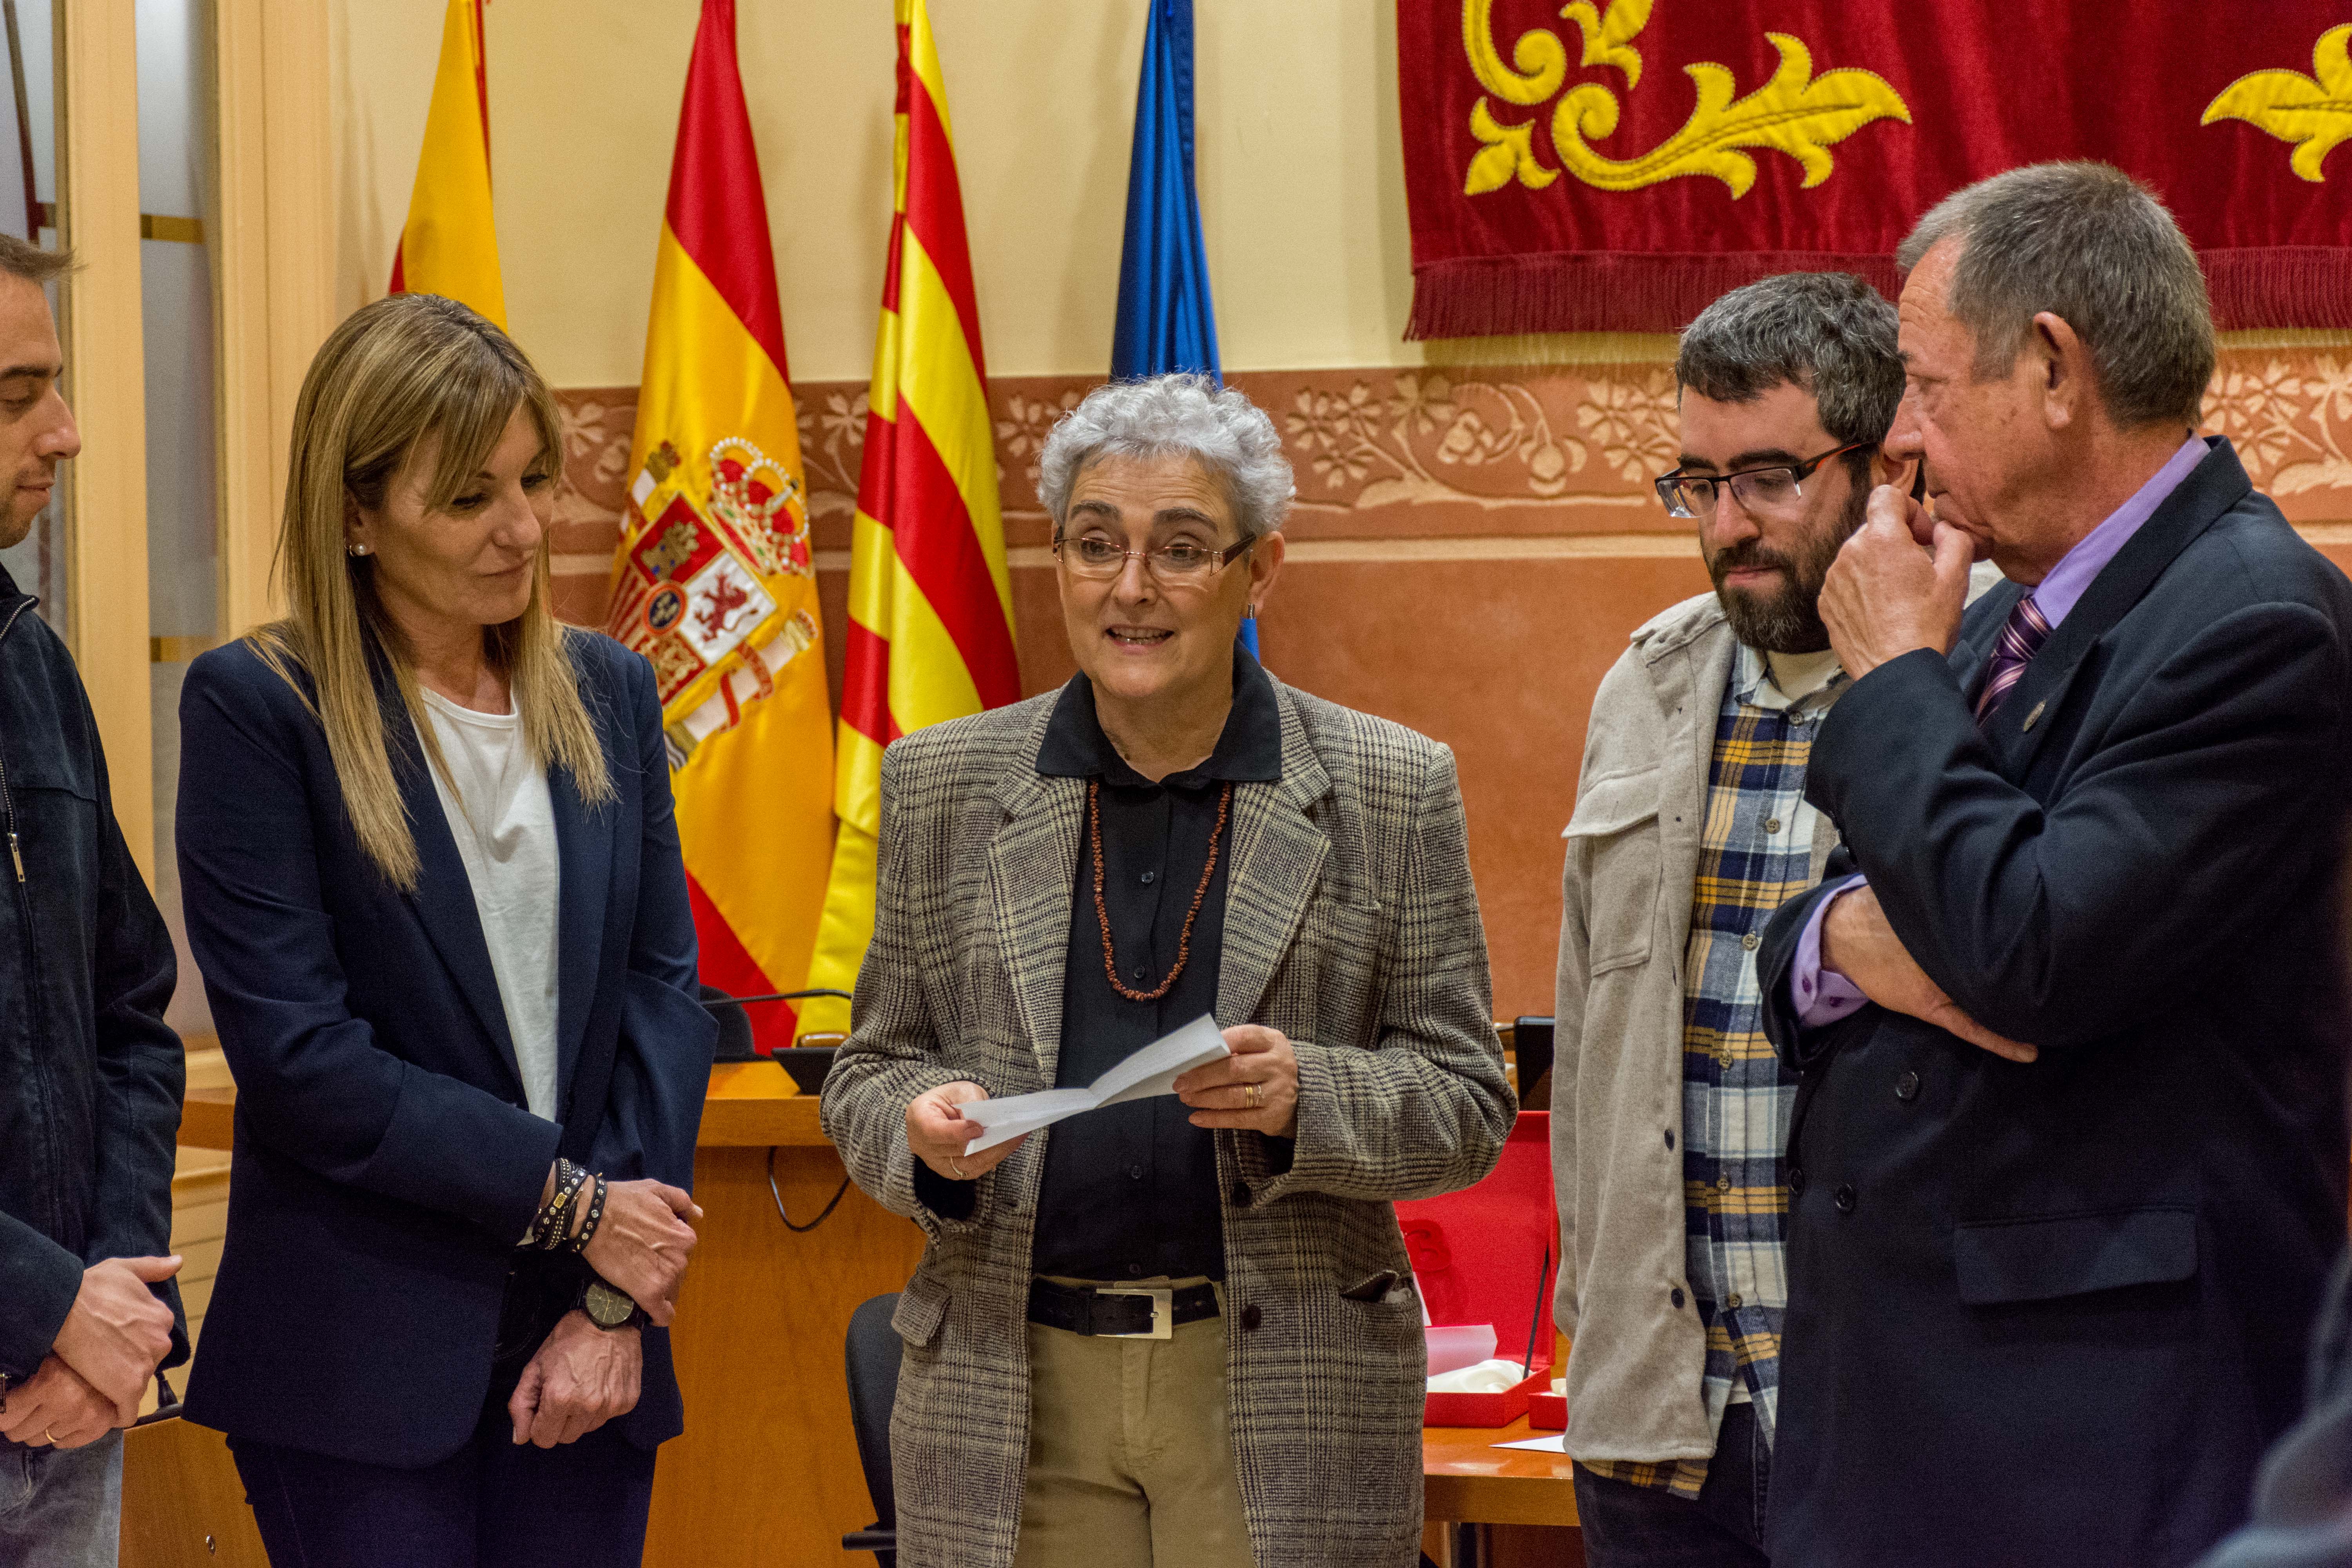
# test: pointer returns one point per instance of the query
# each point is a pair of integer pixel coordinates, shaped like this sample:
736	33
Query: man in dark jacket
90	1077
2065	1190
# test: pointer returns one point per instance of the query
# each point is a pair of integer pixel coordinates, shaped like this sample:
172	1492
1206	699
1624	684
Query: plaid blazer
1352	927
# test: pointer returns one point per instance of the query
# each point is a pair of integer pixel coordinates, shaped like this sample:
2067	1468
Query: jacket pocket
922	1307
2043	1259
1616	829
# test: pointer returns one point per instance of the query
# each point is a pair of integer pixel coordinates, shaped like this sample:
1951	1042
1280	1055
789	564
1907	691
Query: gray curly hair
1166	416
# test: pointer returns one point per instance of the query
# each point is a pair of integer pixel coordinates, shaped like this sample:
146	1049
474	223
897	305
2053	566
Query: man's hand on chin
1899	584
1857	942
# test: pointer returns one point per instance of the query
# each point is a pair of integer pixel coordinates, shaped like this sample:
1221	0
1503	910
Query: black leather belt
1119	1311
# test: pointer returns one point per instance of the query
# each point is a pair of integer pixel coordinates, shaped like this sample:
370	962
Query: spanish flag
450	245
931	607
713	582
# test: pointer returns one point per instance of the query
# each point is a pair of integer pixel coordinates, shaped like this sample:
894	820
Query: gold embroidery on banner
1541	58
1609	40
1510	150
1794	111
2315	112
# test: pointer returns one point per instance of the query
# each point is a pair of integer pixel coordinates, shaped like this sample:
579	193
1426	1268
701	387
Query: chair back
1531	1042
872	1362
734	1025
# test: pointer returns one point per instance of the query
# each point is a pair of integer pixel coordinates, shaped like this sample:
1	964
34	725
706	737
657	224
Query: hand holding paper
1153	1070
1256	1089
937	1133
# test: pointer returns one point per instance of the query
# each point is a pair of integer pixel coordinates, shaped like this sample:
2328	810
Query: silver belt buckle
1164	1310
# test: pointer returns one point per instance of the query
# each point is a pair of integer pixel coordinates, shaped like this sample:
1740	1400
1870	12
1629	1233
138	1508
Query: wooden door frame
106	498
273	263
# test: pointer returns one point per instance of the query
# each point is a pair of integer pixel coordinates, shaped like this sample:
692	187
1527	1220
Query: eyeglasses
1179	562
1771	488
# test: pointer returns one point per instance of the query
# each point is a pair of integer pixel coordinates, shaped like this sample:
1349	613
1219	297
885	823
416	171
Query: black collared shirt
1130	1191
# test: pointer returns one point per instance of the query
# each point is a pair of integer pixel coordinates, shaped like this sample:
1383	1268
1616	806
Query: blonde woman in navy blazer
402	1378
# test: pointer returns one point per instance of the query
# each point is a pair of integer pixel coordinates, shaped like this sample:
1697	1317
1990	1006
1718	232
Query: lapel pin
2030	718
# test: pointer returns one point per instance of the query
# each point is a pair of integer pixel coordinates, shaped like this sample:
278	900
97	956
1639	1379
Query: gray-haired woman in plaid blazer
1178	1331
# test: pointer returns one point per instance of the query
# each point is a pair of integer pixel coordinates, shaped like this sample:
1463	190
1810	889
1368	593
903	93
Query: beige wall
1300	173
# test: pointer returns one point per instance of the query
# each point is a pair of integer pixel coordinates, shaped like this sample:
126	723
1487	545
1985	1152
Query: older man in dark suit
2068	1167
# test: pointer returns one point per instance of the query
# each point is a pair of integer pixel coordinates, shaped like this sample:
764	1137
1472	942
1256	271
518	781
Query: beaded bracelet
555	1216
595	1216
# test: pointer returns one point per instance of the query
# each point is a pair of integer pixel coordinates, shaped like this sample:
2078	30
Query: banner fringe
2270	287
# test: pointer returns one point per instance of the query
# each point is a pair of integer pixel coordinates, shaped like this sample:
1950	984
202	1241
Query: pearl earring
359	549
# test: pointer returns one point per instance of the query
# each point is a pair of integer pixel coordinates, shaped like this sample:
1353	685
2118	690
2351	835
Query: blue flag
1166	320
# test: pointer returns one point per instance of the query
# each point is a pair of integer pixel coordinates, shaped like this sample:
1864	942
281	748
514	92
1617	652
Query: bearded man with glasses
1690	827
1181	1330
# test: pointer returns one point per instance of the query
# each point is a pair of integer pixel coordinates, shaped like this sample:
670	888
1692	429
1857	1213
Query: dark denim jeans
61	1508
1626	1526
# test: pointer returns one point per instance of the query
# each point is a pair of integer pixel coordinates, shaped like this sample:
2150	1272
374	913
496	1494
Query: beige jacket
1352	927
1636	1362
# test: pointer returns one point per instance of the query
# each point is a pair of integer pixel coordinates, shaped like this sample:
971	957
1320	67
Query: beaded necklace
1184	940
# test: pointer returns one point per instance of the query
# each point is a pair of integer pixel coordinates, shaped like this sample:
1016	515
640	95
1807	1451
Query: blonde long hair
407	369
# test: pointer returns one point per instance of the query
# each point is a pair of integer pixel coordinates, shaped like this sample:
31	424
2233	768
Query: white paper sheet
1153	1070
1555	1443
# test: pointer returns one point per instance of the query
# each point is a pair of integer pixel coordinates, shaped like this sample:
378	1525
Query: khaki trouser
1130	1457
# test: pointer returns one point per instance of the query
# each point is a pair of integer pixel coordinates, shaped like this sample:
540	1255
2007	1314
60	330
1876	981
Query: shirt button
1251	1318
1733	1305
1843	1197
1907	1087
1722	1056
1149	878
1676	1296
1772	825
1239	1196
1135	1172
1138	973
1723	1184
1752	941
1135	1270
1669	1138
1796	1178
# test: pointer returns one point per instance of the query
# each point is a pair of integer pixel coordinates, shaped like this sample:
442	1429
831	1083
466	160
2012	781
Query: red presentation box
1485	1255
1547	1411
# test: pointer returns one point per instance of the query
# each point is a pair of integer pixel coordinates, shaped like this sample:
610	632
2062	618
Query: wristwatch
609	1309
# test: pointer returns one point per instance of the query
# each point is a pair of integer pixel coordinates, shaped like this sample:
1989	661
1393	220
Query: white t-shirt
505	827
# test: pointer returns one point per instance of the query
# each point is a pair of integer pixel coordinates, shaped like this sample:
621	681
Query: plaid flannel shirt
1755	853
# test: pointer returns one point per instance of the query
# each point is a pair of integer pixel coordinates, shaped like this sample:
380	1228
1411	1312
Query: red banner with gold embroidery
1615	164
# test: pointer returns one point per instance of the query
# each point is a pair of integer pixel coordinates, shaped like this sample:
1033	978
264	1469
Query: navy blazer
386	1166
2051	1313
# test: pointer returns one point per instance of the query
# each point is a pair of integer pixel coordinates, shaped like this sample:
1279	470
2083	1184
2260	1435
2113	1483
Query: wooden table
1468	1483
767	1470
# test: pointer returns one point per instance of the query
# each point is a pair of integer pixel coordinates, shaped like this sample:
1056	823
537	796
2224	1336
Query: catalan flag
450	246
931	607
713	581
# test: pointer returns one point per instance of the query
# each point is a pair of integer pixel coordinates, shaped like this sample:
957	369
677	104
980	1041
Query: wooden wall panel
1469	549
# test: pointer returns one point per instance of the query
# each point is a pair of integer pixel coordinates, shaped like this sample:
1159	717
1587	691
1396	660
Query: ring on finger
1249	1091
49	1435
958	1169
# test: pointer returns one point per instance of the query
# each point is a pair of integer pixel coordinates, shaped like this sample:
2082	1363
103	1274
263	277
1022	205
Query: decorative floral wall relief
1438	450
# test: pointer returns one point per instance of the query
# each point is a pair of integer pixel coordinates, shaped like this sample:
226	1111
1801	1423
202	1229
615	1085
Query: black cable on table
822	1214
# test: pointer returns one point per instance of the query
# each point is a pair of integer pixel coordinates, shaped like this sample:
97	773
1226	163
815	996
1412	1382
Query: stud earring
1249	611
358	550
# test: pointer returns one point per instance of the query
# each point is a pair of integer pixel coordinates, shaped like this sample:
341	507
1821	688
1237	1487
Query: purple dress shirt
1824	995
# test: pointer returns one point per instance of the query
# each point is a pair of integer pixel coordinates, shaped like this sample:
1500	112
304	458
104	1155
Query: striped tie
2021	637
